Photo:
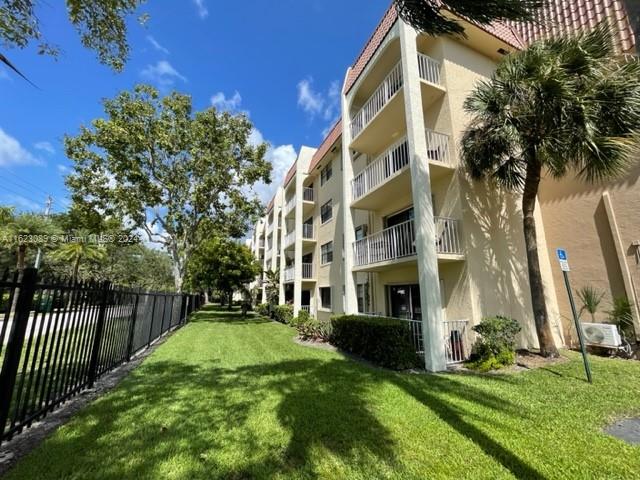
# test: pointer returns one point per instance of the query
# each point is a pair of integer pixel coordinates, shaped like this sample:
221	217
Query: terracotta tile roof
290	174
270	205
562	17
327	143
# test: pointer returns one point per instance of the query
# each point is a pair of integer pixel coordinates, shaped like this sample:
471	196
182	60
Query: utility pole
47	211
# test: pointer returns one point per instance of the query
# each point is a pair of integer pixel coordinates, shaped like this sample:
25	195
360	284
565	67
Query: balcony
290	239
307	232
456	339
289	274
290	206
397	244
270	229
307	271
430	84
307	195
389	174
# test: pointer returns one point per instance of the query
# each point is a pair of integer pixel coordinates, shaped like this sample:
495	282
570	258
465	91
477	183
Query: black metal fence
57	338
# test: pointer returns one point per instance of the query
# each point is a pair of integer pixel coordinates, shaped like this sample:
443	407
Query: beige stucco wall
576	218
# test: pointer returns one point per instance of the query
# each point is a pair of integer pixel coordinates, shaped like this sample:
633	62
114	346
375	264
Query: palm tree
22	231
562	105
75	252
272	287
591	299
430	16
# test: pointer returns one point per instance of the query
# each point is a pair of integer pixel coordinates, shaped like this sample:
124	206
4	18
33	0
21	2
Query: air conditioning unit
602	335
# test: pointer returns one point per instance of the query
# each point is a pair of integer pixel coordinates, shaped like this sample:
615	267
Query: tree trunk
22	253
541	317
206	297
230	297
178	268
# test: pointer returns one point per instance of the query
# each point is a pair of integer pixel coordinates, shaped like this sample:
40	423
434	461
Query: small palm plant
621	315
564	105
76	252
272	279
591	299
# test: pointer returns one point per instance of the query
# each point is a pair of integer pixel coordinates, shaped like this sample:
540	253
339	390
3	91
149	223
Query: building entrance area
404	301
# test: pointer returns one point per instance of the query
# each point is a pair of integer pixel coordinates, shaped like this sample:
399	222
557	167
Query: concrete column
297	280
283	262
264	260
432	319
350	297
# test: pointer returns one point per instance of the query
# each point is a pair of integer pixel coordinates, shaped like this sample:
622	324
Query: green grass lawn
227	398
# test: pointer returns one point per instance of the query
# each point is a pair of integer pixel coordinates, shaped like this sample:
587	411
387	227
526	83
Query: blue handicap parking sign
562	254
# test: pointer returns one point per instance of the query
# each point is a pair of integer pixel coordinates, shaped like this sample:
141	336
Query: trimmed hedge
384	341
282	313
310	328
262	309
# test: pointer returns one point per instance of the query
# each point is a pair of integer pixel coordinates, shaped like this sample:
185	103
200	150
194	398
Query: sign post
564	266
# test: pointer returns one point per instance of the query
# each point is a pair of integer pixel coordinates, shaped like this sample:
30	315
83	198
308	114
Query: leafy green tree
74	251
101	25
223	265
25	231
430	16
562	105
171	171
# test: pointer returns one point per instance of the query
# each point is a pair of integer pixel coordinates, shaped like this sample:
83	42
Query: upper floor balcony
290	239
388	174
397	244
307	273
308	232
290	206
383	111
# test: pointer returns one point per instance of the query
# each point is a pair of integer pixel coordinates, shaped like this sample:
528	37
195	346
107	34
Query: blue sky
283	61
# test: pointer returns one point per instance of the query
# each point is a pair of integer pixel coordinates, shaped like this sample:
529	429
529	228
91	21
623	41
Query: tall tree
24	231
223	265
432	16
564	105
78	249
101	24
170	171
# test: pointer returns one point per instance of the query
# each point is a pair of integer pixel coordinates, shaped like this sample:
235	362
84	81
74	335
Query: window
361	232
326	212
326	253
325	297
326	173
360	296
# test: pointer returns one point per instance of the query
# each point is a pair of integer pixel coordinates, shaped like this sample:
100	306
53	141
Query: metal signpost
564	266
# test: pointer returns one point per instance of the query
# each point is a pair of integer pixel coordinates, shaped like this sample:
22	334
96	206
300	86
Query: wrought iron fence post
97	340
27	288
132	329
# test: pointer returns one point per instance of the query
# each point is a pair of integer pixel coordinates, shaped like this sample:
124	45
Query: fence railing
57	338
376	102
306	308
307	270
307	231
291	204
429	69
394	159
399	241
307	194
289	274
290	238
456	340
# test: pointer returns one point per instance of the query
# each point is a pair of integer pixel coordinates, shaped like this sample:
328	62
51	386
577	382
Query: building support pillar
432	318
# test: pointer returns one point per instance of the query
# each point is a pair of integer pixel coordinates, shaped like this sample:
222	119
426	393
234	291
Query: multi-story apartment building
380	219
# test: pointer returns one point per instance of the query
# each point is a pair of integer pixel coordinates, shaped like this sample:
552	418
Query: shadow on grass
215	314
215	422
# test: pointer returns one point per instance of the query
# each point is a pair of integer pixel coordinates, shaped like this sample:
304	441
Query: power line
26	182
31	191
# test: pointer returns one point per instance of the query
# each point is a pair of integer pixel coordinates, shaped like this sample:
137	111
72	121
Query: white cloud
12	153
201	7
63	169
221	102
45	147
281	157
324	105
155	44
162	73
310	101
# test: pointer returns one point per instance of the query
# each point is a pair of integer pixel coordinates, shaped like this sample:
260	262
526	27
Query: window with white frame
326	212
326	253
326	173
325	297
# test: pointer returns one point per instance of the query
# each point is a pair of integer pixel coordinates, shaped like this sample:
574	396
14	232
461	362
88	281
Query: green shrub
282	313
383	341
4	302
310	328
262	309
497	343
620	315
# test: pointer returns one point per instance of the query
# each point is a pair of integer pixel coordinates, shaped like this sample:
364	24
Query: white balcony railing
289	274
399	241
307	231
429	69
307	194
387	89
456	340
270	228
306	308
307	270
394	159
291	204
290	238
438	147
